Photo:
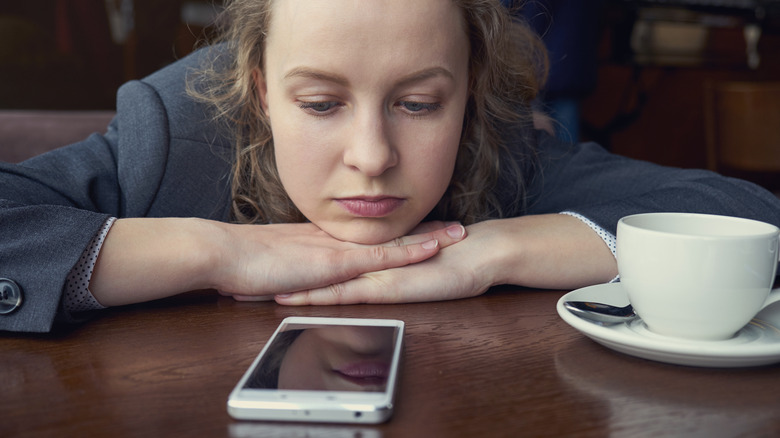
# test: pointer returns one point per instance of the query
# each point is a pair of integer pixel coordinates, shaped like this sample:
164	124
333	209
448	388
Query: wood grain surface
503	364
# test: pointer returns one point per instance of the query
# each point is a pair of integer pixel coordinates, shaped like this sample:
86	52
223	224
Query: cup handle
774	294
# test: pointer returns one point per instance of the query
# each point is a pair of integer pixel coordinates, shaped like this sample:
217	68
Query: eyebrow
309	73
426	74
421	75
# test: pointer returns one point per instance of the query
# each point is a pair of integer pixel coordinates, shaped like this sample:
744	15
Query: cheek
301	156
433	157
292	144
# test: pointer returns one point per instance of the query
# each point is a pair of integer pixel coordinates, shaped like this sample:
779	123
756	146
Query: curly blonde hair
507	67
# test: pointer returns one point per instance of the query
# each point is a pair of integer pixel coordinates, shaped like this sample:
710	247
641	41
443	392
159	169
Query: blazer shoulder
188	116
168	141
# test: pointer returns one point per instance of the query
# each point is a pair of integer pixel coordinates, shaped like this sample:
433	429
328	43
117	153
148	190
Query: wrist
220	246
547	251
143	259
502	260
204	251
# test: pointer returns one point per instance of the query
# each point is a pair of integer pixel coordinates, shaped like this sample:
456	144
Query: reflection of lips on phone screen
366	374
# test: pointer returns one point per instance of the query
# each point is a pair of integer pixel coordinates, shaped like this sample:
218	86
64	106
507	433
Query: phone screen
327	357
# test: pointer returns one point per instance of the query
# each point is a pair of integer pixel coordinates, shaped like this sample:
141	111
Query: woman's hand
275	259
546	251
148	258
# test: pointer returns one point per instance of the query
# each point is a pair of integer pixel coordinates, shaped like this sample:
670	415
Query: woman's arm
552	251
147	258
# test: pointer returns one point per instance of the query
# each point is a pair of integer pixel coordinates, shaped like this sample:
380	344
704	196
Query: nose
370	148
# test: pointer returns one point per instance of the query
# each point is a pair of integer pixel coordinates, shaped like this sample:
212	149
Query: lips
370	206
365	373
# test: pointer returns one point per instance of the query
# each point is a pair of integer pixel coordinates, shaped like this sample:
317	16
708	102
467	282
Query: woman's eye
419	107
321	107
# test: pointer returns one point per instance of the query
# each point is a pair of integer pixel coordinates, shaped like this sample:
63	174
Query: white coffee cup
696	276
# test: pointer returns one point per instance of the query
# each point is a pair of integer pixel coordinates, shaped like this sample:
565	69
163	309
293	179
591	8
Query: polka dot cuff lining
77	297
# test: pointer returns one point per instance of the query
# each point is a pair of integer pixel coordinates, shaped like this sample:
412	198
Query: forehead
379	32
381	15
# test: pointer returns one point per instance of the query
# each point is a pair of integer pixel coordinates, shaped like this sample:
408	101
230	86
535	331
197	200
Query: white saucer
758	343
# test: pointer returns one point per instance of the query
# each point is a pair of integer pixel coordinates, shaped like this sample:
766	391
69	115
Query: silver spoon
599	312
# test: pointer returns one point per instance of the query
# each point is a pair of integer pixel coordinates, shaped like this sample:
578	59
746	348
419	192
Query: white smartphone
333	370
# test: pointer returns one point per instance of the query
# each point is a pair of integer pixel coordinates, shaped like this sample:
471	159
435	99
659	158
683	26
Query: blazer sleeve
50	208
604	187
160	157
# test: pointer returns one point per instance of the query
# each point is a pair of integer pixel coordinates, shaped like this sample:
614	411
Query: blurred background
686	83
73	54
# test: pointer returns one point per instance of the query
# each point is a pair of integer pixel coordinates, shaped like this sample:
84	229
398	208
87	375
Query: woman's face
366	100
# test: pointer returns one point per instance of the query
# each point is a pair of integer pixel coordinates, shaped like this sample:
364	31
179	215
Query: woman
363	130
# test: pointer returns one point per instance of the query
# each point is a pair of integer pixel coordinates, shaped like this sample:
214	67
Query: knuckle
337	293
379	253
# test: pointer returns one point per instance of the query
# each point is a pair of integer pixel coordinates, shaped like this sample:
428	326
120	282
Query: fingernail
456	231
431	244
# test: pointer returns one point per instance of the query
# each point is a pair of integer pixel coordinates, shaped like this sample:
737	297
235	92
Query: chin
366	234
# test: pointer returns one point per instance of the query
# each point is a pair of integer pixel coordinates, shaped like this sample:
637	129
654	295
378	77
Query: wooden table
503	364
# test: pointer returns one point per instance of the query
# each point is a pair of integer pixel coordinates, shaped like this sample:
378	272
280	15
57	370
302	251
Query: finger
445	236
415	283
377	258
402	252
340	266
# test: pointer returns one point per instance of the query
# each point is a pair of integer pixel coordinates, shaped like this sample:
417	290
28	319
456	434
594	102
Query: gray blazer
163	156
